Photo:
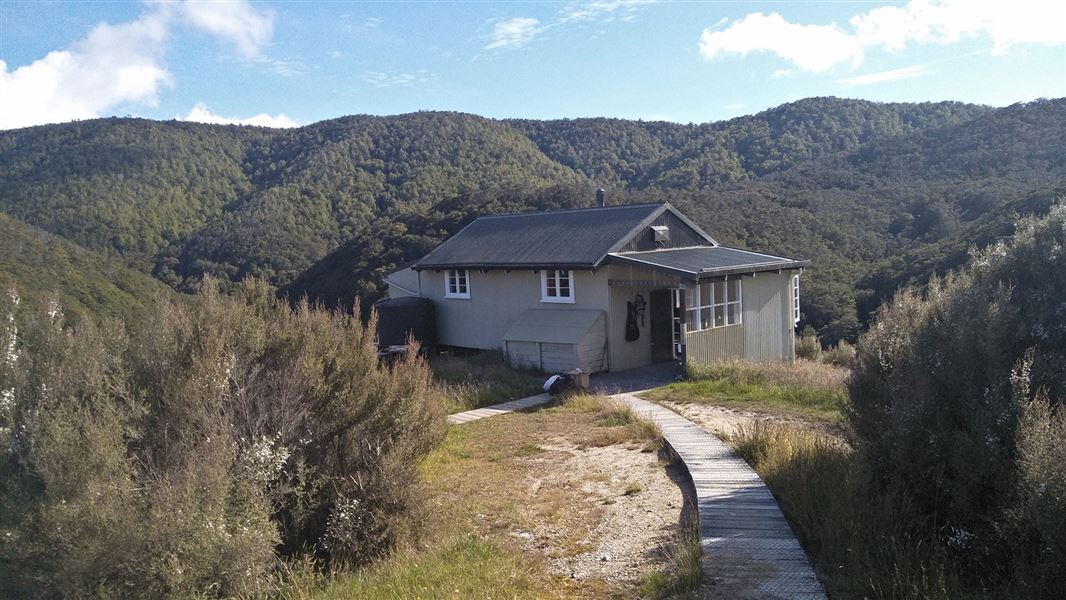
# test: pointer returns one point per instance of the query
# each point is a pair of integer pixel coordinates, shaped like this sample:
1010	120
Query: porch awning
707	261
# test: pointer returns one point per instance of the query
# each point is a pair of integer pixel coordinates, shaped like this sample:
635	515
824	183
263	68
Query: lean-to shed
556	340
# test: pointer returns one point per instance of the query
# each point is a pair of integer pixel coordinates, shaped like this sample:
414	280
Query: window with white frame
556	285
456	283
714	304
795	298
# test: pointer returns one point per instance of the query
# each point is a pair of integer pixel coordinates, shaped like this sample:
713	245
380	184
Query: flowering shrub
177	458
939	382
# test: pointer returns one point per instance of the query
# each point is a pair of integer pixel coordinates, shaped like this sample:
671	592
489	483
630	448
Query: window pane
733	314
706	297
691	301
719	292
733	288
705	318
692	318
719	315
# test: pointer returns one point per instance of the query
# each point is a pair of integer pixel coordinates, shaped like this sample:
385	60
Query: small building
606	288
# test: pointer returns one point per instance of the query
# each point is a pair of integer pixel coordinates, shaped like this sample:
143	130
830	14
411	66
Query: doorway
661	317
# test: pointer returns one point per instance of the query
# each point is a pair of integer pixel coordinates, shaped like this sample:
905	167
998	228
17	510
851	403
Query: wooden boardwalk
749	550
498	409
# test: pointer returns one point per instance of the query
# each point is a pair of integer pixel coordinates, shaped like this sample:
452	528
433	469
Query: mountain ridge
828	178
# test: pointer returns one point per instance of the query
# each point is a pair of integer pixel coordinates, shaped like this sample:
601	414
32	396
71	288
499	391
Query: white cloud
883	76
809	47
113	65
116	65
513	33
236	21
602	10
384	80
201	114
818	48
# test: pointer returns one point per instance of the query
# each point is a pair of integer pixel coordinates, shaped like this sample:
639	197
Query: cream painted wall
496	300
498	297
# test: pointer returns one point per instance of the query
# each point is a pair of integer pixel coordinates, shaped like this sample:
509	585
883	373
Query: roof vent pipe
599	198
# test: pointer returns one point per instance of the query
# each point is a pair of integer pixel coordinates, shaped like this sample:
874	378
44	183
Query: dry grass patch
617	424
864	543
481	379
516	507
804	389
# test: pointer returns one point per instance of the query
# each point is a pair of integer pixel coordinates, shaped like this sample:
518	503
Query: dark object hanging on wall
640	307
632	331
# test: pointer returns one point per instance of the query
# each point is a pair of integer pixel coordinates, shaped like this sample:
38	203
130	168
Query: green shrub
939	382
1038	514
841	355
174	460
865	540
807	346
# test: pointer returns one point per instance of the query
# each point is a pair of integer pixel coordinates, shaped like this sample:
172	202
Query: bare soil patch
590	509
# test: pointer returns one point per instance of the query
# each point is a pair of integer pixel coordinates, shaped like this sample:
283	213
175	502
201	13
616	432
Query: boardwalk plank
748	544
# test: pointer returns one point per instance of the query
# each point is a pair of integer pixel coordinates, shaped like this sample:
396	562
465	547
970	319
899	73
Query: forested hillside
41	266
876	194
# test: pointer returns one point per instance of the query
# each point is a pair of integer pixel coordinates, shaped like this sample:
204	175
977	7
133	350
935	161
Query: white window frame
795	299
552	293
457	284
693	320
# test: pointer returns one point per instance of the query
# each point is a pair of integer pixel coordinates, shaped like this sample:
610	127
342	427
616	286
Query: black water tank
397	317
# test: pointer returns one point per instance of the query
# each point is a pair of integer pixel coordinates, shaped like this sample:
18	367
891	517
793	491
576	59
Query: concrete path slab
749	549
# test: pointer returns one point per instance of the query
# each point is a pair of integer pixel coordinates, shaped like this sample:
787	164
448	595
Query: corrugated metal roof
552	326
708	261
563	238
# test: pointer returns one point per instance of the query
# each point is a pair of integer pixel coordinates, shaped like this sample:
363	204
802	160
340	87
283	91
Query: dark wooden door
661	317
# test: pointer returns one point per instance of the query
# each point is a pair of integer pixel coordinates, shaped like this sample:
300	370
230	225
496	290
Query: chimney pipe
599	198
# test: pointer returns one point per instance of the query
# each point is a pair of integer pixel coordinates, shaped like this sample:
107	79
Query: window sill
715	328
557	300
456	297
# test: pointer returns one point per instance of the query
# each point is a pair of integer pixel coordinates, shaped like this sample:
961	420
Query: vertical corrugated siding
766	333
710	345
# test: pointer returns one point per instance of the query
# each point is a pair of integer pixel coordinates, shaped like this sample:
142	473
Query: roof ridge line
582	209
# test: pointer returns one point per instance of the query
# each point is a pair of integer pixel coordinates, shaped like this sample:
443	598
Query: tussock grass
683	573
618	423
807	389
865	544
482	379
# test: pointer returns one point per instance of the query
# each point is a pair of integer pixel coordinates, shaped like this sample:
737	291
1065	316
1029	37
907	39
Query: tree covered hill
327	208
41	266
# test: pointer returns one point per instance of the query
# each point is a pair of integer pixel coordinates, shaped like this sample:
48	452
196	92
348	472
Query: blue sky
285	63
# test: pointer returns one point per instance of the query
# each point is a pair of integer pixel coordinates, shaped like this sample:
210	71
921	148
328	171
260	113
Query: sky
291	63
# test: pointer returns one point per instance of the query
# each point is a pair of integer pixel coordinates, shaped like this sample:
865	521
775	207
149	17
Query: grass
464	568
617	423
481	379
803	389
477	502
863	544
682	577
